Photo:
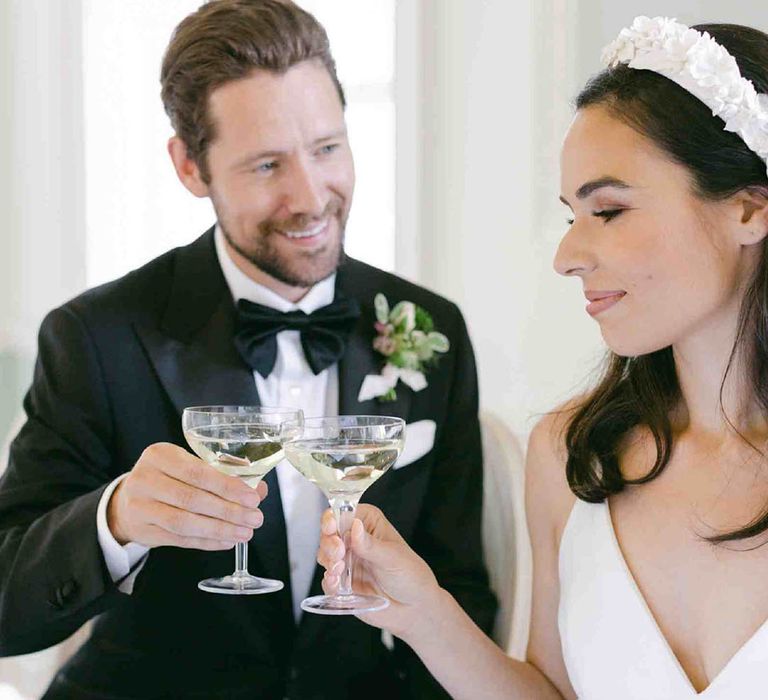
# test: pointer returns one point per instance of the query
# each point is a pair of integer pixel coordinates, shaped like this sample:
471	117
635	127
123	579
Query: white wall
492	117
42	235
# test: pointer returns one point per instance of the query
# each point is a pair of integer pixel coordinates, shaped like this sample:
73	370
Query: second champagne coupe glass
344	455
247	442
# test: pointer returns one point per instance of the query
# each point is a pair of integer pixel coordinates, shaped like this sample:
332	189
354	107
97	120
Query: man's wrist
112	520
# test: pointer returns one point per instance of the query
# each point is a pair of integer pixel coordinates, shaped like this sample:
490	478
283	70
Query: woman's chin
625	346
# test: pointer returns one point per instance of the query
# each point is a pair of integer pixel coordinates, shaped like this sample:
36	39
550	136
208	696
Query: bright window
135	207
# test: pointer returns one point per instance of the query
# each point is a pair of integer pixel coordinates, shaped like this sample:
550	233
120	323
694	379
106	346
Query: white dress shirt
291	384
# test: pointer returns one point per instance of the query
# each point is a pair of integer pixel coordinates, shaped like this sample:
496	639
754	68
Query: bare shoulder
549	497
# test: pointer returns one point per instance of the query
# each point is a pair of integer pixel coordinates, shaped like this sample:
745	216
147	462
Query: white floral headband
697	63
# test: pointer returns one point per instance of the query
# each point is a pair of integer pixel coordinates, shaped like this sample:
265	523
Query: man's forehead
306	76
265	95
254	118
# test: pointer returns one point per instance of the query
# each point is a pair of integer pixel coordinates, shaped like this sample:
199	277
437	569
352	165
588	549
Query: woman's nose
573	255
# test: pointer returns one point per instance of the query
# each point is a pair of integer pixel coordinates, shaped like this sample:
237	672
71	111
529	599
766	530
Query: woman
647	499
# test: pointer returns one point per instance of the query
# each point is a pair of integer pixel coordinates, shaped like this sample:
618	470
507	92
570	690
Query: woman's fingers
330	583
331	551
328	523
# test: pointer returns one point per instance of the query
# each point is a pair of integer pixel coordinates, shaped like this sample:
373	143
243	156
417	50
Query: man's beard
307	268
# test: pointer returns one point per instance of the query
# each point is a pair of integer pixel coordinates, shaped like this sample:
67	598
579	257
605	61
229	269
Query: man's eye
607	214
328	148
569	221
267	167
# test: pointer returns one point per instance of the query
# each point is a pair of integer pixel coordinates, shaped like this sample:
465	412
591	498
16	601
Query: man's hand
172	498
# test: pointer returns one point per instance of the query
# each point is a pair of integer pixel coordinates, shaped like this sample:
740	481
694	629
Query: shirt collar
243	287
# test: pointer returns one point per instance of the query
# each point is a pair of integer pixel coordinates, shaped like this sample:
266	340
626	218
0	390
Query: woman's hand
383	564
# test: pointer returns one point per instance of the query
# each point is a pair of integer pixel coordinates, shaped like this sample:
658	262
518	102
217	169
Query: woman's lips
600	301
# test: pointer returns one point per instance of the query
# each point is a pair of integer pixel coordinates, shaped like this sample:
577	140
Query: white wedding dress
612	646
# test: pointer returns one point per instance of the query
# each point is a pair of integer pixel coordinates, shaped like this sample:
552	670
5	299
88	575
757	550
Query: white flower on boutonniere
405	336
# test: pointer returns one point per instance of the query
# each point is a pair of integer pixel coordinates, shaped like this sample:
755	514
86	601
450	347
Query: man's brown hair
224	40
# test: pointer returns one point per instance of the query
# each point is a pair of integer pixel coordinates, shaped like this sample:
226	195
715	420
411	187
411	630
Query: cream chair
16	424
26	677
506	545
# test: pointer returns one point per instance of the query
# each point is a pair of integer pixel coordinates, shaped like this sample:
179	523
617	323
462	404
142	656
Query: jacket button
65	593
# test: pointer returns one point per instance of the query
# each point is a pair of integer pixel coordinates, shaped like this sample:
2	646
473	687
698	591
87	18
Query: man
104	512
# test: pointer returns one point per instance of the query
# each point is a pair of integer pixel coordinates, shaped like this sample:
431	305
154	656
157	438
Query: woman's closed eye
605	214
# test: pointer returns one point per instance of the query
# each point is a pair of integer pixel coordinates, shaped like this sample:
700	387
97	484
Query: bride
647	499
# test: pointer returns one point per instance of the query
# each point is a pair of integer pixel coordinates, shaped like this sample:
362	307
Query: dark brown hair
644	390
226	40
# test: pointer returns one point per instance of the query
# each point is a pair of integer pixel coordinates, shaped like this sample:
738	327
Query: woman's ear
186	168
751	209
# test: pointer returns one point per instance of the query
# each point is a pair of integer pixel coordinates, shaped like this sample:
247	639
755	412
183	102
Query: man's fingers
202	544
195	500
182	466
162	538
185	524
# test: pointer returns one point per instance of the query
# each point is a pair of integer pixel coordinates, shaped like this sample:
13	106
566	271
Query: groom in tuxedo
104	513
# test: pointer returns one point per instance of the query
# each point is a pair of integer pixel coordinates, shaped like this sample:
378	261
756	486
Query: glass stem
344	512
241	559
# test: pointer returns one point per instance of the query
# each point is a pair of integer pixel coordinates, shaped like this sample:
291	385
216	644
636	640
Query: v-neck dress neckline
612	644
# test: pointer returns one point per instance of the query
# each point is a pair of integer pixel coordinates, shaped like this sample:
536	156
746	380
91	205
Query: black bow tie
324	333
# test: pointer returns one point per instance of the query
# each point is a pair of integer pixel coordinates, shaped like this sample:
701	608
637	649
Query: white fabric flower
696	62
375	385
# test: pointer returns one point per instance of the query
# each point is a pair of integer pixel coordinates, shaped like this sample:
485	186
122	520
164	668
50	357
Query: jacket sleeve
448	533
52	572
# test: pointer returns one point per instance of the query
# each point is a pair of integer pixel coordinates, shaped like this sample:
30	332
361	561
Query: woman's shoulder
549	497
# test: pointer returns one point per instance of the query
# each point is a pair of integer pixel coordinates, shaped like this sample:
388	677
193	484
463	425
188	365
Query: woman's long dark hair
644	390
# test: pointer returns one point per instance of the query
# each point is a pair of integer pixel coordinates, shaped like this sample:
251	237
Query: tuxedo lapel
202	370
198	365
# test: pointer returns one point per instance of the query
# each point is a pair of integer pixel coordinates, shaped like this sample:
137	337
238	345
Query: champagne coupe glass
243	441
344	455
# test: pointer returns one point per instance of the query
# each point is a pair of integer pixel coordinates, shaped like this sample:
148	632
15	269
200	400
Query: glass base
240	585
344	604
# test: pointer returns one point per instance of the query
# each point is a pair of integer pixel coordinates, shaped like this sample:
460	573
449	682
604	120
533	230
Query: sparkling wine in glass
344	455
247	442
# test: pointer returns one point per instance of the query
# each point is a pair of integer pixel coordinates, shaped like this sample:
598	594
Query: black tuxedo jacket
116	366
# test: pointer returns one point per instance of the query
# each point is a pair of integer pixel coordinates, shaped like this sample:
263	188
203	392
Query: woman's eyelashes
605	214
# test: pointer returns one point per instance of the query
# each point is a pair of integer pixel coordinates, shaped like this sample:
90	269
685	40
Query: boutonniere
407	338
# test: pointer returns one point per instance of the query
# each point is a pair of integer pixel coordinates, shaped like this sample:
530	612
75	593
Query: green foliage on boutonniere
407	338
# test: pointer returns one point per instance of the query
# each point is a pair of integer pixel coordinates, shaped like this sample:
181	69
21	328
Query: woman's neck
718	396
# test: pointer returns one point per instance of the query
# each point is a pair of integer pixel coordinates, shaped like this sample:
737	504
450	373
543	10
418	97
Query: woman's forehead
599	144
